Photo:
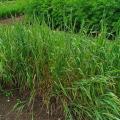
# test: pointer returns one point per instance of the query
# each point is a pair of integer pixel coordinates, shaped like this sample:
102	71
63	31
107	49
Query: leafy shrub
71	14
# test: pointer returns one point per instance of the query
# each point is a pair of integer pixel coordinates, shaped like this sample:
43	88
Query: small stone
8	100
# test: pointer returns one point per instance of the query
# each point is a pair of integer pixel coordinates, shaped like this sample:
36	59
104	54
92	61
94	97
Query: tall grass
82	72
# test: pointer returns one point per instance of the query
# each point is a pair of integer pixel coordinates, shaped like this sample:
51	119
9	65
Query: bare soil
39	112
11	20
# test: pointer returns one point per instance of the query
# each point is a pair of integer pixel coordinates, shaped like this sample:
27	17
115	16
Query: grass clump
82	72
88	99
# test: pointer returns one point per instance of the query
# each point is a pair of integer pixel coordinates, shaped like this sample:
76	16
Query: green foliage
12	8
88	99
83	72
70	14
5	0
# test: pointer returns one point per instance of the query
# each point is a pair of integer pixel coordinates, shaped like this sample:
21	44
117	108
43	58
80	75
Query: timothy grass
82	72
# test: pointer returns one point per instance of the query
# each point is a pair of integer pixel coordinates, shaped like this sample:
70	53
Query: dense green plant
88	99
82	72
68	13
12	8
5	0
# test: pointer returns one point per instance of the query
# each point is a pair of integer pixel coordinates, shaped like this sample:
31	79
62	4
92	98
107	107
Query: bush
71	14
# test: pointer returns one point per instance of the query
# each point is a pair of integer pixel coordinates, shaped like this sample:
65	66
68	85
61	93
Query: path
11	20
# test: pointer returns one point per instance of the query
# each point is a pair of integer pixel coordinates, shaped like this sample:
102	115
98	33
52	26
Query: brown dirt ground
39	111
11	20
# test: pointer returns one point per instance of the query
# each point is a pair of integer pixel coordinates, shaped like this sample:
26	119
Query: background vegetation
12	8
68	13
